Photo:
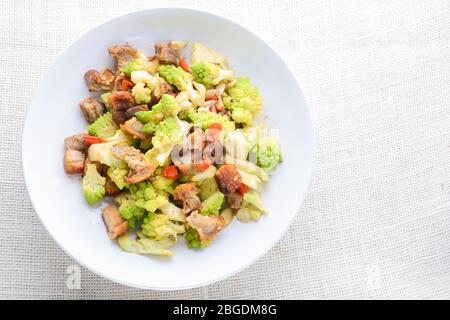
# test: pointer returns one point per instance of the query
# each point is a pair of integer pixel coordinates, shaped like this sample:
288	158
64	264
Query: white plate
54	114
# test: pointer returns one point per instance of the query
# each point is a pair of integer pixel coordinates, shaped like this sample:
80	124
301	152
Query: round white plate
54	114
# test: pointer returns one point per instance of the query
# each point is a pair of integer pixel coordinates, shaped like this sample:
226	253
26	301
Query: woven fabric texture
375	223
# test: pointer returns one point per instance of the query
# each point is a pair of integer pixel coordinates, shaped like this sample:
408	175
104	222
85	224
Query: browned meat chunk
186	193
140	169
75	153
96	81
123	54
92	109
111	189
134	128
206	226
130	112
228	178
166	54
234	200
120	102
115	225
76	142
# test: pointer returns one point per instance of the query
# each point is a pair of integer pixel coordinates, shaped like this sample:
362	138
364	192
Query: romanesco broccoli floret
145	196
131	66
158	226
243	100
141	94
212	204
166	135
93	184
103	127
140	64
163	184
210	74
166	107
204	119
268	153
118	174
193	239
128	209
169	127
175	76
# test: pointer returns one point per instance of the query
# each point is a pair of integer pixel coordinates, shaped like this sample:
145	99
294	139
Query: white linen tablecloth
376	220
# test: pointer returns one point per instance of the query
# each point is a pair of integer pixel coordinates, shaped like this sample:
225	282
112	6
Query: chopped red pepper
214	97
93	140
202	165
184	65
170	172
126	83
243	189
213	132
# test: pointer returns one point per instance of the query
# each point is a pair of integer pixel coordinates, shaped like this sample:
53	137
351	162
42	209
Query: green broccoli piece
204	119
212	204
163	184
210	74
117	175
166	107
103	127
169	127
128	209
175	76
141	94
194	241
146	197
104	97
207	188
131	66
93	184
243	100
268	153
158	226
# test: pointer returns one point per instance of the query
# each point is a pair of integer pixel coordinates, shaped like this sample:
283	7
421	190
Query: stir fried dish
175	144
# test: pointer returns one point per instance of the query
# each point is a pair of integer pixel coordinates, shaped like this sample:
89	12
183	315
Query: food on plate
175	143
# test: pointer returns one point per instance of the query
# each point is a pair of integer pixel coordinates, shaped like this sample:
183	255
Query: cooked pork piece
120	102
228	178
96	81
75	153
140	168
166	54
123	54
187	193
92	109
130	112
115	225
206	226
134	128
